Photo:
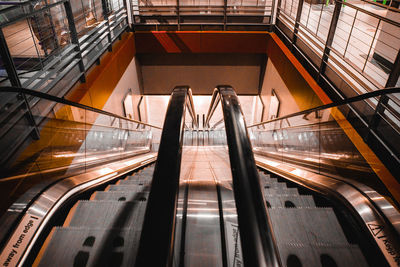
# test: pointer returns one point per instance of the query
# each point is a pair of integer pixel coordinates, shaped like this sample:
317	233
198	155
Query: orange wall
102	79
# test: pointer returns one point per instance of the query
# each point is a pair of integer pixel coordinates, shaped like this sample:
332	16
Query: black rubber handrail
346	101
68	102
258	244
157	238
215	98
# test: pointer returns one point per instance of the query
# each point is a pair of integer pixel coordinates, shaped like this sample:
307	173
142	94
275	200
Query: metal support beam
329	39
297	22
225	11
105	15
15	82
74	38
395	73
8	62
178	13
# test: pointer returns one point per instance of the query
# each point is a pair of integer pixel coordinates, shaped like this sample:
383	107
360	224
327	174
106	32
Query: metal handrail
334	104
68	102
190	106
213	105
157	238
258	244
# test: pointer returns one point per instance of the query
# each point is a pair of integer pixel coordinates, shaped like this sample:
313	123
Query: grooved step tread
301	201
307	226
127	188
315	254
119	196
134	182
91	247
109	214
281	191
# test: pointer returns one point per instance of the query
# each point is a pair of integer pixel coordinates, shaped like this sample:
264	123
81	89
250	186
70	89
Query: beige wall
157	107
272	80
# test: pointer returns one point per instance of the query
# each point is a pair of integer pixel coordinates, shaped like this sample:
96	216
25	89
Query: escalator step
150	173
127	188
120	196
274	185
297	255
281	191
264	176
134	182
139	178
90	247
108	214
301	201
306	225
321	255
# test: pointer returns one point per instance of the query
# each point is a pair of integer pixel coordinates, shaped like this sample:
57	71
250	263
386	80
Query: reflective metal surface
210	235
39	213
367	204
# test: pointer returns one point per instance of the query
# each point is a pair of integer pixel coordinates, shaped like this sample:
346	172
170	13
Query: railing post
297	22
329	39
105	15
15	81
395	73
8	62
74	38
178	13
225	15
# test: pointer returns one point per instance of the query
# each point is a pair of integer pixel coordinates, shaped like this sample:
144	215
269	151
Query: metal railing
14	133
74	139
223	15
307	138
347	46
50	46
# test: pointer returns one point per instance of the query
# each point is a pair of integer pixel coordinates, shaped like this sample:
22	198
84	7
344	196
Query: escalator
104	230
214	203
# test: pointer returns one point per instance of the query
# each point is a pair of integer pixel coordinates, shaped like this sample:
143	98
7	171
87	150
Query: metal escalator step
150	172
317	255
134	182
264	176
140	178
91	247
109	214
287	229
127	188
346	256
300	201
306	225
274	185
120	195
323	226
296	254
281	191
